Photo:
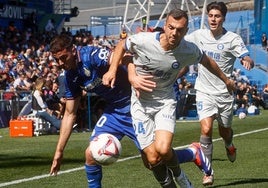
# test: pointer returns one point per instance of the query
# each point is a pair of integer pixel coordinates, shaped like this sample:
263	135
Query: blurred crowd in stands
25	57
249	98
264	41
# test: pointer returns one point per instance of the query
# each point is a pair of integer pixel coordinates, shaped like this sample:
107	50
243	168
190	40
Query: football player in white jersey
158	57
84	67
212	98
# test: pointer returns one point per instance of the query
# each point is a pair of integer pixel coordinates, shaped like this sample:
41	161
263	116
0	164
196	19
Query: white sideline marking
120	160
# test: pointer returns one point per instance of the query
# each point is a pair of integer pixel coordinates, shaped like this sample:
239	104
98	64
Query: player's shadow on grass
243	182
11	161
219	159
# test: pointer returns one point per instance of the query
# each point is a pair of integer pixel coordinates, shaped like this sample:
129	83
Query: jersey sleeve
192	53
239	48
133	41
192	37
93	56
100	57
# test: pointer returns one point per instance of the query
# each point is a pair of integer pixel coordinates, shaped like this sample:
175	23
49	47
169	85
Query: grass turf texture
23	158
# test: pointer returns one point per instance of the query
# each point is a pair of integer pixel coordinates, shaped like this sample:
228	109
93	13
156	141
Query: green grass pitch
25	162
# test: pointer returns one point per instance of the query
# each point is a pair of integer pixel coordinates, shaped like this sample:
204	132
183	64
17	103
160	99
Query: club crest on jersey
220	46
175	65
87	72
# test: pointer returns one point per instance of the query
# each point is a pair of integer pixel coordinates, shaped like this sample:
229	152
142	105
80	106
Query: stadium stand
13	45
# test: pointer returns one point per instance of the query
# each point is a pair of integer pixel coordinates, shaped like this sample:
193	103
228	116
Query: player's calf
163	175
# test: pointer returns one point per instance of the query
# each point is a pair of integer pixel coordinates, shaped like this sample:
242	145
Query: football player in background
84	68
212	98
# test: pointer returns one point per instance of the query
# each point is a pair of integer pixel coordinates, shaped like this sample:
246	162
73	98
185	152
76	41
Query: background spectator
253	109
21	85
239	76
264	41
40	106
50	26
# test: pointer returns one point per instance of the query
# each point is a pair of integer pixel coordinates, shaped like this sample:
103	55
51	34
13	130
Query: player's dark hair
178	14
218	6
60	42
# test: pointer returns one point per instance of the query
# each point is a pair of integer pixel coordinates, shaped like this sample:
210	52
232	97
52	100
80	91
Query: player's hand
108	79
247	64
231	87
55	167
144	83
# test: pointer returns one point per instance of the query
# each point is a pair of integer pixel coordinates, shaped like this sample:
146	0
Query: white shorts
221	105
149	117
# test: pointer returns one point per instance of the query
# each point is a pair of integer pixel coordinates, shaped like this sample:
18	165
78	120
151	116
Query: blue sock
185	155
94	175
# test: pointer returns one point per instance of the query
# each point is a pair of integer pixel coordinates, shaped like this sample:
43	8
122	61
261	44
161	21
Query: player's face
65	58
175	30
215	20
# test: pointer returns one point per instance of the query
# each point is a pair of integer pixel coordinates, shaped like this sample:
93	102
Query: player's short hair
178	14
218	6
60	42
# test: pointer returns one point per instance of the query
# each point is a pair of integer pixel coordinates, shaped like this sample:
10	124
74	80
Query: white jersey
151	59
224	50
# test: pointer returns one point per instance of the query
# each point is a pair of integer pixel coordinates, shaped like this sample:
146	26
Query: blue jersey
116	118
88	76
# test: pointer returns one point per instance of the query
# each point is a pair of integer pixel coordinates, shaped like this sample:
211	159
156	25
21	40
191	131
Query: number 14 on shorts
140	128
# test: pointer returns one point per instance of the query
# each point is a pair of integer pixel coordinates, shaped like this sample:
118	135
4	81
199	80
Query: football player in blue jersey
84	67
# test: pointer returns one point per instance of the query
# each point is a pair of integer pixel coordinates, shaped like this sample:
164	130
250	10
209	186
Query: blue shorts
117	125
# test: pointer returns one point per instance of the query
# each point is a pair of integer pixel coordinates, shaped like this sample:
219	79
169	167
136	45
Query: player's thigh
165	118
205	105
143	125
226	106
163	141
165	122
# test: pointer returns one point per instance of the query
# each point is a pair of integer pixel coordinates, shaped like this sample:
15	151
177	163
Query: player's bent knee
206	131
152	156
163	150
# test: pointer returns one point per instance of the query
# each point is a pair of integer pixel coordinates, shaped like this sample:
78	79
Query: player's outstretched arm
67	123
109	77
